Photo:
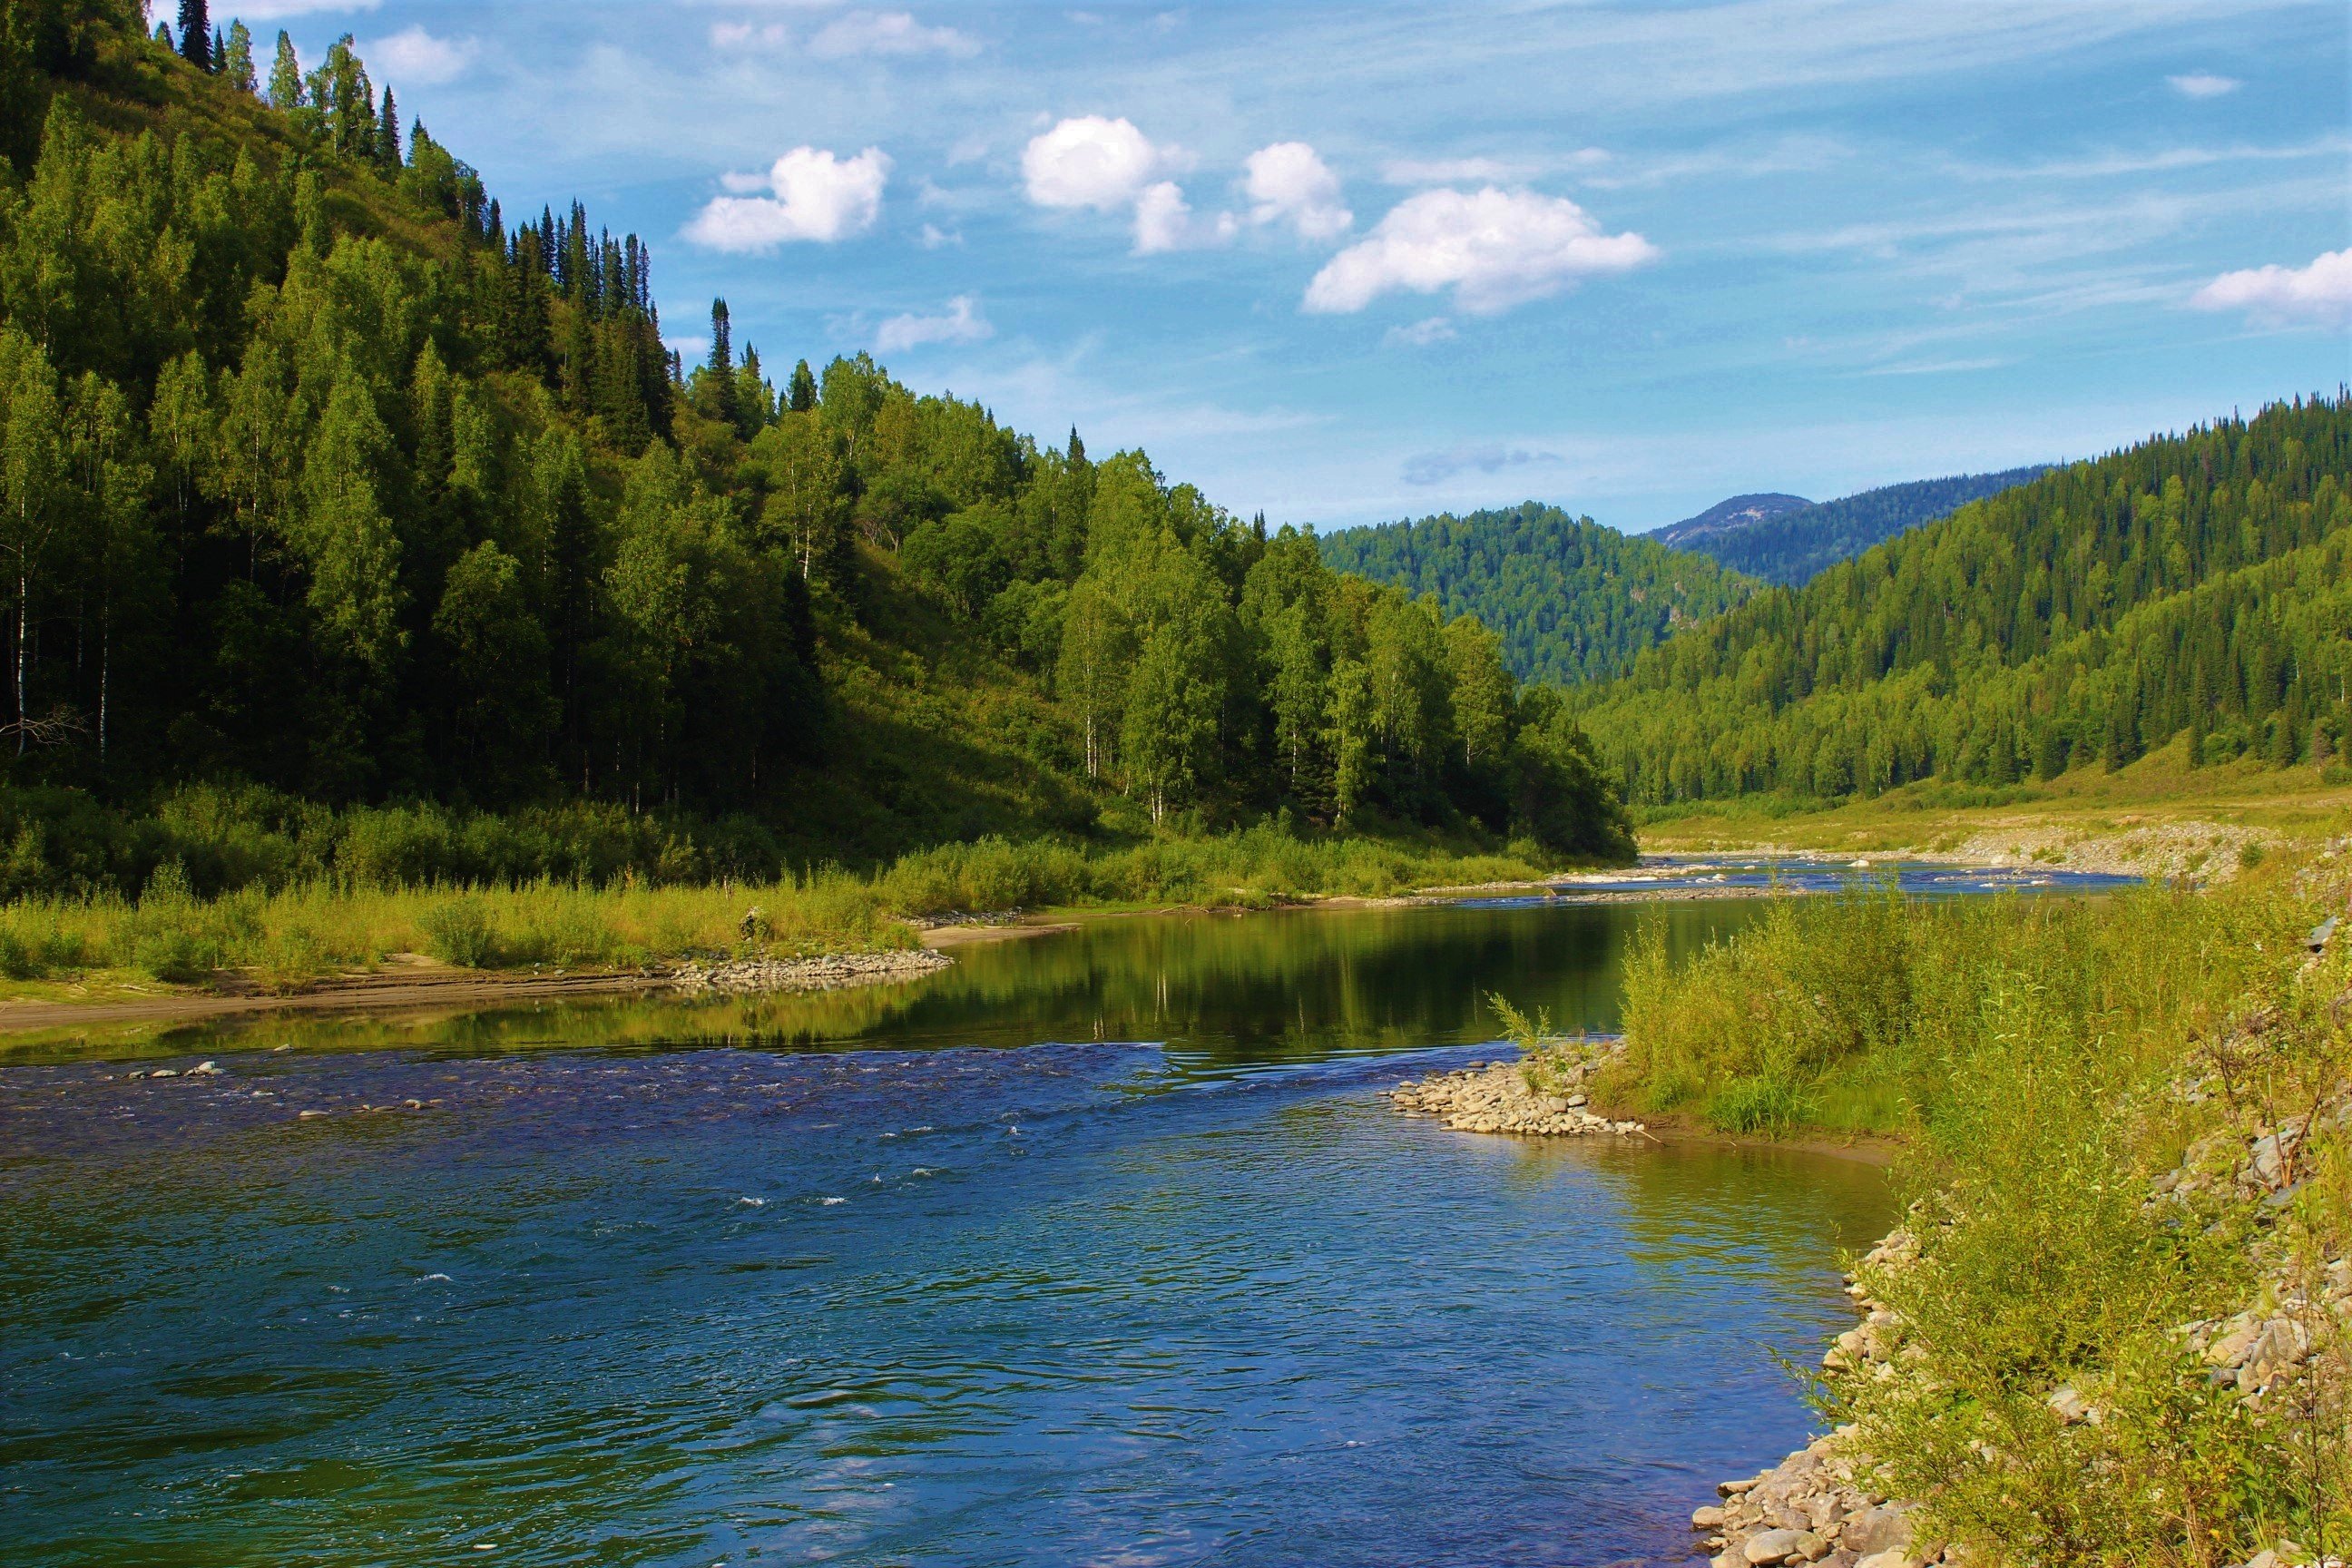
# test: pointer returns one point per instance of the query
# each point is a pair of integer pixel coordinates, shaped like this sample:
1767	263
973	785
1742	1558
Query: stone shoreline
830	971
1496	1097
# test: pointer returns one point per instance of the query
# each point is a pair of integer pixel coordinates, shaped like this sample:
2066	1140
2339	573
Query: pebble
831	972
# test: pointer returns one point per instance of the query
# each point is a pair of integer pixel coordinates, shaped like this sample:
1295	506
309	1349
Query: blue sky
1343	264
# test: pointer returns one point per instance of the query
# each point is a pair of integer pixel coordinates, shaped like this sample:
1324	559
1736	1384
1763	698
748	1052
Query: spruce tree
802	398
195	34
387	135
220	52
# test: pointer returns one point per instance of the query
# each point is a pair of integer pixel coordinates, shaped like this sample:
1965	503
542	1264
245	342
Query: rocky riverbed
1544	1097
830	971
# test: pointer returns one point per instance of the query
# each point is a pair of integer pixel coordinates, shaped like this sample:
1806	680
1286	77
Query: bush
458	932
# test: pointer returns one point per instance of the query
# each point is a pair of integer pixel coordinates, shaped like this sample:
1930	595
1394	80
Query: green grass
318	925
2030	1054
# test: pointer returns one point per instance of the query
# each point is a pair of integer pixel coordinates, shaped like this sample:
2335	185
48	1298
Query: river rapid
1099	1248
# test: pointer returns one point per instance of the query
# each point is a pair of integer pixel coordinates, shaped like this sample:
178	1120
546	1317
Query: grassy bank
313	925
2157	817
2047	1063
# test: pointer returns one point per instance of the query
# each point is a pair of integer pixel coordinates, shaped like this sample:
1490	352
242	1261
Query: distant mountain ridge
1789	544
1739	513
1572	601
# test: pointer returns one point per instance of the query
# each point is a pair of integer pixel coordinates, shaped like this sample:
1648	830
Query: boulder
1885	1527
1776	1546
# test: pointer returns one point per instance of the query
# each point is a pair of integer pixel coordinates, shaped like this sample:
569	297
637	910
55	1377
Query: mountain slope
1728	516
2199	583
1572	601
327	483
1791	547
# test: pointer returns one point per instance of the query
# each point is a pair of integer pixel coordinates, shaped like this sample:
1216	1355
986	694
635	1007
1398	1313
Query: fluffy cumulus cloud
961	322
1090	162
414	55
1165	221
1494	248
2316	295
888	33
1288	183
2203	84
818	196
1109	166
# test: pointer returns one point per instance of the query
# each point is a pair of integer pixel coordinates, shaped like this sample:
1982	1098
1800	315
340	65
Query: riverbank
2159	817
2114	1326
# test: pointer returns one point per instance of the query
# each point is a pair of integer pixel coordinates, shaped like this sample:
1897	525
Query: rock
1894	1557
1784	1546
164	1072
307	1115
1707	1517
2069	1405
1885	1527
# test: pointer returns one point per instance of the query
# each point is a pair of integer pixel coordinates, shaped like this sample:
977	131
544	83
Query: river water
1097	1248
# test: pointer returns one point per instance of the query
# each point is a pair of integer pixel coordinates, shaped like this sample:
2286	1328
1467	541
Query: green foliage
318	476
458	932
2198	585
2032	1053
1570	600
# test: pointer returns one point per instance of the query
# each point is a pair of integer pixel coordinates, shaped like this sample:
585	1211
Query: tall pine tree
195	34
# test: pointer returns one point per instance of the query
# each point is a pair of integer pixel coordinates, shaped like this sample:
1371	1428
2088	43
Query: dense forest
1792	546
326	482
2195	585
1572	601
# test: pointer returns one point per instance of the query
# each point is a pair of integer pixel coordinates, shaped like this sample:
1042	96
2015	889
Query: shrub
458	932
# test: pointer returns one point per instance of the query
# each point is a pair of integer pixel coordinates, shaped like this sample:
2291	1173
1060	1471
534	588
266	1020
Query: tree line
2196	585
316	473
1572	601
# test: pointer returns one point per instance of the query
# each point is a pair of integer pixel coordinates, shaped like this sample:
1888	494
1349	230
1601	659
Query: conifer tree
286	76
195	34
802	398
387	135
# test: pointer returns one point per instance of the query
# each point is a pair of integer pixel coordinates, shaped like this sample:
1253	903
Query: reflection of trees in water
1232	989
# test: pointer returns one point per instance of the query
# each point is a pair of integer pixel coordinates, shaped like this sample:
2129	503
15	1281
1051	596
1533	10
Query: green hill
329	485
1571	600
1790	546
2198	582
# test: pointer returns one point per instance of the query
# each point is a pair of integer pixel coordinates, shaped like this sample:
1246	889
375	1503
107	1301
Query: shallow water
1099	1248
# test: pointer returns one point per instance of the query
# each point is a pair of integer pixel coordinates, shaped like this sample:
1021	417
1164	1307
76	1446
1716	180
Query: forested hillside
328	481
1791	547
1572	601
2199	583
1728	517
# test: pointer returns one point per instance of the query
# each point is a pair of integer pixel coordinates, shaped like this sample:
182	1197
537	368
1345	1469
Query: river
1097	1248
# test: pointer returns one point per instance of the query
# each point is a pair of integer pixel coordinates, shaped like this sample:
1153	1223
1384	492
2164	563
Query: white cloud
738	34
1448	171
817	197
1108	165
2203	84
1287	180
1164	221
688	347
278	10
1494	248
1420	334
888	33
1484	171
1435	467
933	236
414	55
1090	162
2319	294
962	322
